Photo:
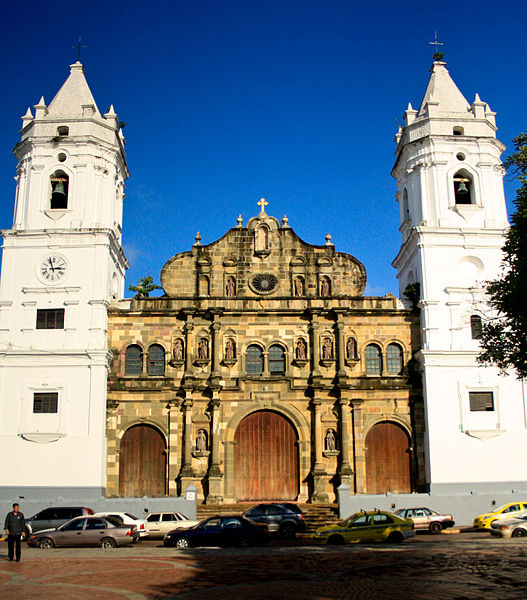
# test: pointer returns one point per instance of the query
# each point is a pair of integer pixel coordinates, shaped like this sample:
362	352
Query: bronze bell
58	196
462	189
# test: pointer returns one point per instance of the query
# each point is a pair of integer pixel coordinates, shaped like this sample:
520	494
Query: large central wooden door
387	460
142	462
265	458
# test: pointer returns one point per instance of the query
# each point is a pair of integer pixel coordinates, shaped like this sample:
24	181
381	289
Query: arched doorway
265	458
142	462
387	460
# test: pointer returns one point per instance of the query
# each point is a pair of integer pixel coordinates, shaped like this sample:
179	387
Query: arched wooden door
142	462
387	460
265	458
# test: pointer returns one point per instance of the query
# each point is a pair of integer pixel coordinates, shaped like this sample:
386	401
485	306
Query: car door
42	520
168	523
231	531
94	531
153	524
380	528
207	533
71	533
359	529
419	518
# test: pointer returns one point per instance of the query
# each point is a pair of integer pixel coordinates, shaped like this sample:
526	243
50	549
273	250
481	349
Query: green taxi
366	526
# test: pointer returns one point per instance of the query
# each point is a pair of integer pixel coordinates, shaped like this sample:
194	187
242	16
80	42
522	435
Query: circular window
460	156
264	283
61	157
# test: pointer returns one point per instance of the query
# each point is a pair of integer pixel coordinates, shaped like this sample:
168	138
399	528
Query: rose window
264	283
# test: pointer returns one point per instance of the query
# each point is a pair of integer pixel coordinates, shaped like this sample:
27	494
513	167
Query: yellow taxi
503	512
366	526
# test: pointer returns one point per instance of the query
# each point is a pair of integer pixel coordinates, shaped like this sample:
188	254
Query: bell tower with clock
62	265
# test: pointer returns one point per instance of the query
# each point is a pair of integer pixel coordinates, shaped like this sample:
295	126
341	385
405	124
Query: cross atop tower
262	204
78	45
437	55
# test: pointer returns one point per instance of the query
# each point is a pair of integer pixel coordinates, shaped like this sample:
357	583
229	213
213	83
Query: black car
285	518
233	530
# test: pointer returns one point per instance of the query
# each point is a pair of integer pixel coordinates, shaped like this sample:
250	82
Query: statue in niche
203	349
299	286
177	351
201	441
325	288
230	287
230	349
262	238
351	349
327	349
331	440
301	350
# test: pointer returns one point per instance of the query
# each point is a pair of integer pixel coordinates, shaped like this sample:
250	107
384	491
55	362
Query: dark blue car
219	531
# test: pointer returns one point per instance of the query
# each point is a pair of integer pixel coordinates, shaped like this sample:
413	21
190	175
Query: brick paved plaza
448	566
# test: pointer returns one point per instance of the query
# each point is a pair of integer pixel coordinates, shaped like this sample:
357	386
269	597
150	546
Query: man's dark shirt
16	524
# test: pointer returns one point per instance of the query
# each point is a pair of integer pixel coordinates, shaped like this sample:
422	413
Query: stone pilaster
186	474
174	433
215	475
319	474
345	471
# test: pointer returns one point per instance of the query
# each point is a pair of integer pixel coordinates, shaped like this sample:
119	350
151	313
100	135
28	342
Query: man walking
15	526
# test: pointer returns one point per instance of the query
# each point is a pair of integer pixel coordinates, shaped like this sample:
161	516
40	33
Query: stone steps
316	515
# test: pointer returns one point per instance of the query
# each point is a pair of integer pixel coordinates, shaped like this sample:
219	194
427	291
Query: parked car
53	517
233	530
511	509
426	518
366	526
126	518
106	532
283	517
160	523
510	527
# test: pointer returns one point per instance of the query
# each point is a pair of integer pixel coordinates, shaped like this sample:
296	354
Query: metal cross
79	46
435	42
263	203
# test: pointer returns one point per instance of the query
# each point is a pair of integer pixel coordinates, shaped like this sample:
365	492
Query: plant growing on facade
144	287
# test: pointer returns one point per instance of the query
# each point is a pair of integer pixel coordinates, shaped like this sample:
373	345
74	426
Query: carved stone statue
177	351
230	287
351	349
203	349
324	287
301	350
201	441
299	286
230	349
327	349
331	440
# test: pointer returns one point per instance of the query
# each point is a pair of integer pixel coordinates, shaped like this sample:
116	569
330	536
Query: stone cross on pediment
262	204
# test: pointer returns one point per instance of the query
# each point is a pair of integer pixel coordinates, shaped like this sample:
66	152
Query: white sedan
512	527
158	524
127	519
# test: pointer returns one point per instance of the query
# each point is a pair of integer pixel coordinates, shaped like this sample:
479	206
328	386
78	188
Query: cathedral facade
262	372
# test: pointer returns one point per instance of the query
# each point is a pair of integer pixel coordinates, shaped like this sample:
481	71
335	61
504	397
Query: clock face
53	268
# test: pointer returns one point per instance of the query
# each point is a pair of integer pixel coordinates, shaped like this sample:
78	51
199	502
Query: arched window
254	360
276	360
463	191
394	359
476	326
373	360
59	190
134	360
63	130
406	208
458	130
156	360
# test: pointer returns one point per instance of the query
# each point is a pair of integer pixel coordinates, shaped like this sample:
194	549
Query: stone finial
41	109
328	240
478	107
285	222
239	220
27	117
198	239
110	115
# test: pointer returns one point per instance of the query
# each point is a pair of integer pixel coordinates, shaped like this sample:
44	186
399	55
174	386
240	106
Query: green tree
144	287
504	337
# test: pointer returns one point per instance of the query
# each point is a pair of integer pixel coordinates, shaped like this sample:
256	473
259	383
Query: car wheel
395	537
182	543
288	530
108	543
519	533
46	543
435	527
336	540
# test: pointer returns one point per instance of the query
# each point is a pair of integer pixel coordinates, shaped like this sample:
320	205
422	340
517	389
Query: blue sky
228	101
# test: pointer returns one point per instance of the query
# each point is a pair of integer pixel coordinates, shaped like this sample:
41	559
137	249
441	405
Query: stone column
315	347
186	474
345	472
215	475
174	434
319	475
187	330
215	328
341	346
359	458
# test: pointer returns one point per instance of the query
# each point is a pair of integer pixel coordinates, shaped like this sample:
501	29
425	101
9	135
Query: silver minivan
53	517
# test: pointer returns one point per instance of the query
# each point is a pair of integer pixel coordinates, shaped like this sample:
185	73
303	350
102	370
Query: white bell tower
453	219
62	265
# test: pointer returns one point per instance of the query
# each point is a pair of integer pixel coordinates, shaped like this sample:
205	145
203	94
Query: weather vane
79	46
437	55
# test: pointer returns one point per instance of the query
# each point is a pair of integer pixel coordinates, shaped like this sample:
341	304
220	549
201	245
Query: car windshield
501	508
131	516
